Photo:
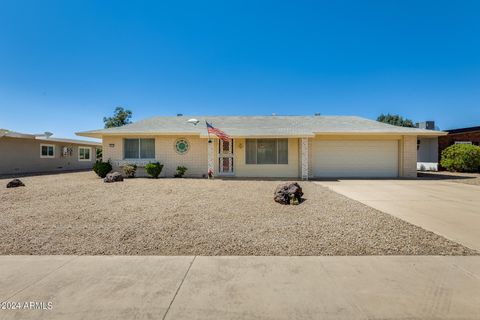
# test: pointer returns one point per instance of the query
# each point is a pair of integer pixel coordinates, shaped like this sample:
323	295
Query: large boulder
113	177
15	183
288	193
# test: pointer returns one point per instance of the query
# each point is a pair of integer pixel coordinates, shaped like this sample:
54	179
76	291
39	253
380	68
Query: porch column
304	156
210	156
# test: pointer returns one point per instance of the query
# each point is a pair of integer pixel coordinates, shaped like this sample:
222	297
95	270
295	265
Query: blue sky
66	64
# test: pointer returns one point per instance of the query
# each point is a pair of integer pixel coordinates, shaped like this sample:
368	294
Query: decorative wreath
181	146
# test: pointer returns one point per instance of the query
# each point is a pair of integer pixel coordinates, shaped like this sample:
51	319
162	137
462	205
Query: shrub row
129	170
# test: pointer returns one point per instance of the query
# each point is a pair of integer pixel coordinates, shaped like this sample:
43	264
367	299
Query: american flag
219	133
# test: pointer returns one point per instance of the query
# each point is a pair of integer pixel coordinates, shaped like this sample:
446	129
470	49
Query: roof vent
46	134
179	114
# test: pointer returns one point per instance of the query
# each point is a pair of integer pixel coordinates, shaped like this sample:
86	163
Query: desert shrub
461	158
129	170
154	169
180	171
102	168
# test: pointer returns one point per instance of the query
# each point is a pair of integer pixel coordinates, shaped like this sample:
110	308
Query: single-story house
29	153
267	146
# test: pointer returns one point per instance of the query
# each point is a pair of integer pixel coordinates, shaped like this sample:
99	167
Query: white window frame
256	152
139	149
89	153
47	156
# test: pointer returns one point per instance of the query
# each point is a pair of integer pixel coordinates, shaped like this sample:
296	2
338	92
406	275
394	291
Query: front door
225	157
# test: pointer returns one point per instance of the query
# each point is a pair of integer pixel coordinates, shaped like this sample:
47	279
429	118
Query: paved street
141	287
449	209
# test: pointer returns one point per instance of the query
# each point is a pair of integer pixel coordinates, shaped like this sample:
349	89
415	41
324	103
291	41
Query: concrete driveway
446	208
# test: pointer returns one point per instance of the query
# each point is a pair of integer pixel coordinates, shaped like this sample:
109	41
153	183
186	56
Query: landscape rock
15	183
113	177
288	193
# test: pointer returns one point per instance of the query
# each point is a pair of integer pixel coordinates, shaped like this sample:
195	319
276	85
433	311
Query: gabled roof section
259	126
13	134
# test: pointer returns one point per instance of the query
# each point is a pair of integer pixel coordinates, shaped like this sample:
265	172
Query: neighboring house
267	146
27	153
469	135
427	149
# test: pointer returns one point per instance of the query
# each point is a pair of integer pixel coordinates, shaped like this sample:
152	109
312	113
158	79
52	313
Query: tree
396	120
120	118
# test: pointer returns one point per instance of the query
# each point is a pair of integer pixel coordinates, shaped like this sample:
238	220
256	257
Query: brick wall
195	159
409	157
448	140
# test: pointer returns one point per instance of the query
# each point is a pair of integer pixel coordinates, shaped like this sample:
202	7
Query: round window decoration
181	146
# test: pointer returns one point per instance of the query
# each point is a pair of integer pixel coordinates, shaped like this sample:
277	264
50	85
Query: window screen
139	149
147	148
266	151
131	149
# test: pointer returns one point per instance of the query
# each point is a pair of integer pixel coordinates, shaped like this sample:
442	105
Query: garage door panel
341	158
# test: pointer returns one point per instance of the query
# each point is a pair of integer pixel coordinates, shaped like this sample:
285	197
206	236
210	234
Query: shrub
461	157
180	171
102	168
129	170
154	169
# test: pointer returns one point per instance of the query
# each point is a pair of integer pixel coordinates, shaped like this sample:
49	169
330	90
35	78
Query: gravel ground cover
459	177
76	213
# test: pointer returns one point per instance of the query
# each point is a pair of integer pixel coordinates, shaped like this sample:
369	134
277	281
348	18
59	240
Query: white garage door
361	159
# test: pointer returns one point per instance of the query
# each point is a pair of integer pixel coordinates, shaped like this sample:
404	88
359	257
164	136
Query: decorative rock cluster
113	177
15	183
288	193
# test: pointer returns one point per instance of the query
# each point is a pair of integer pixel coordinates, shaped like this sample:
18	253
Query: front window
267	151
84	153
47	151
139	149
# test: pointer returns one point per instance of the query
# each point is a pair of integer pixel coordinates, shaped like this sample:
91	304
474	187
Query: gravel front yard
76	213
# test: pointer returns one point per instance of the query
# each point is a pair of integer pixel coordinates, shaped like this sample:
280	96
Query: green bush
461	158
154	169
129	170
180	171
102	168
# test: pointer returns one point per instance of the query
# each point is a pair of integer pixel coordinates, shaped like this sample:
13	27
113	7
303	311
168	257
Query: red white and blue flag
219	133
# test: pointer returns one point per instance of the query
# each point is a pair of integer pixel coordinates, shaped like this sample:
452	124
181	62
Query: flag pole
208	132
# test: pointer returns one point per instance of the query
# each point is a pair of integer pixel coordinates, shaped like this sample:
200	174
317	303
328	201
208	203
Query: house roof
463	130
259	126
75	141
14	134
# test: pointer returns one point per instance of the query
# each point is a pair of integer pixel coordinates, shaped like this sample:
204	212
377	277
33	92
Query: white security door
225	157
355	159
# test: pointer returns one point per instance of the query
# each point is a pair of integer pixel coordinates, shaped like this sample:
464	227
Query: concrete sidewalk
137	287
449	209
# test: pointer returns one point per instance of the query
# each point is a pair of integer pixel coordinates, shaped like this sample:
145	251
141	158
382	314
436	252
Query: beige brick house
22	153
267	146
